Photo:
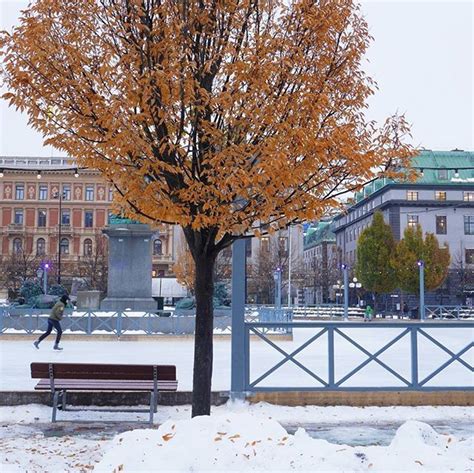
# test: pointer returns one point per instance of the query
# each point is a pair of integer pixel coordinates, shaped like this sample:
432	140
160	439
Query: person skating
54	321
368	314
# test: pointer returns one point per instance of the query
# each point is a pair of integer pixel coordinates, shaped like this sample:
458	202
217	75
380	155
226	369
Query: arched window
87	247
64	246
157	247
17	246
40	246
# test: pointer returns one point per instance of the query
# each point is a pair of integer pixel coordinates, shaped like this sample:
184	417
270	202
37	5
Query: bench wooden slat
104	385
103	371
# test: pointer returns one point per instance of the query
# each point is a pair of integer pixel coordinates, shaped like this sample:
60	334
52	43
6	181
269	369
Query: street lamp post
356	285
421	267
60	196
277	278
346	290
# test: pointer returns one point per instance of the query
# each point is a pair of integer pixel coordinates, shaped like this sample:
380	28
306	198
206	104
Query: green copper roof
318	234
432	159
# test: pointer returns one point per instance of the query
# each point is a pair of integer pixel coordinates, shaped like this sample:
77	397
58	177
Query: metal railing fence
332	334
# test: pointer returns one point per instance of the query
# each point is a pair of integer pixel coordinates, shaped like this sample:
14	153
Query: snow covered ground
16	356
236	437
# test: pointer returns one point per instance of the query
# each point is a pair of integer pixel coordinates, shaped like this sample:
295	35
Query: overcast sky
422	60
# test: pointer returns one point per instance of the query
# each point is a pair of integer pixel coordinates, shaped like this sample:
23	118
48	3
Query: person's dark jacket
57	311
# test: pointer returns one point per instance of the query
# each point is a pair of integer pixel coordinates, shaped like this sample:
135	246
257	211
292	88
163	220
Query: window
64	246
441	225
65	217
18	218
17	245
412	195
412	221
469	196
41	218
265	244
469	256
89	193
40	247
111	194
88	219
440	195
66	192
468	224
442	174
283	243
157	247
87	247
19	192
43	192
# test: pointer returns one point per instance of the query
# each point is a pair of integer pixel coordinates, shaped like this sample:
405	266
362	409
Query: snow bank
245	442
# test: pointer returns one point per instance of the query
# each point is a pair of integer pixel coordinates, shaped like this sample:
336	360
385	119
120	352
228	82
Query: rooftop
319	233
434	167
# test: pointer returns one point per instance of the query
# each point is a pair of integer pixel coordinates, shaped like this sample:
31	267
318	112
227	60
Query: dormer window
443	174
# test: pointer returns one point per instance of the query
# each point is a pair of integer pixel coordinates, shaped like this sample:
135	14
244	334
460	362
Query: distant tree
94	264
413	248
375	249
17	268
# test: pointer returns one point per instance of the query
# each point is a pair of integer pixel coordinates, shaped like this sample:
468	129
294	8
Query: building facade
441	201
35	221
320	260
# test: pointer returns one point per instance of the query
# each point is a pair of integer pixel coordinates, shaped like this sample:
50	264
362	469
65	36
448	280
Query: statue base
129	303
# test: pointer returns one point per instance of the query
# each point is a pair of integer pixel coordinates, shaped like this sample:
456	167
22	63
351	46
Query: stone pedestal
129	276
88	300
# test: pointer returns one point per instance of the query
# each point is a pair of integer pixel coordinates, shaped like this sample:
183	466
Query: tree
413	248
94	265
17	268
227	118
375	248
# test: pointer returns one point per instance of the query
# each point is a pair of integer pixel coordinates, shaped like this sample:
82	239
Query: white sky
422	59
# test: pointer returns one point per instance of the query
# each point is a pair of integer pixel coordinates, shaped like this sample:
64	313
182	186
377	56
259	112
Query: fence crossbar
106	322
74	322
372	357
134	323
289	357
447	350
452	359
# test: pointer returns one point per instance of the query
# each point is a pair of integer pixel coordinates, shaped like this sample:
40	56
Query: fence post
414	357
89	322
119	323
238	354
331	357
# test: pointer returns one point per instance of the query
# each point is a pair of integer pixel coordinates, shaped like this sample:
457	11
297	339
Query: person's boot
36	344
57	347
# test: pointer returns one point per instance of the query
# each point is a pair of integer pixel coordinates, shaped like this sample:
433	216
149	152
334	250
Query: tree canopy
375	249
413	248
211	115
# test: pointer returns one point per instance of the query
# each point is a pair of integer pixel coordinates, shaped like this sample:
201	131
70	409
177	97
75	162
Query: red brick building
30	213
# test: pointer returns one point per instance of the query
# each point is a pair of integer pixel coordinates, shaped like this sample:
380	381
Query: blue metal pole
346	291
45	279
421	266
238	352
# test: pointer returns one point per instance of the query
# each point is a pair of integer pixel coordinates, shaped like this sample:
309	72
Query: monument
129	276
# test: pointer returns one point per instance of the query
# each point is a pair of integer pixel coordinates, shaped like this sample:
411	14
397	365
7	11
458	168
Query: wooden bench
62	377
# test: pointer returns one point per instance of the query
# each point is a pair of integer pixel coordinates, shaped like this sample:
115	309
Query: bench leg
152	406
63	400
55	406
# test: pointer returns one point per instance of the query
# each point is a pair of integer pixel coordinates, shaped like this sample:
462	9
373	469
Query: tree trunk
202	372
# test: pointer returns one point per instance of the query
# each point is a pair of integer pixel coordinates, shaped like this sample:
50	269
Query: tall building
34	221
441	201
320	260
